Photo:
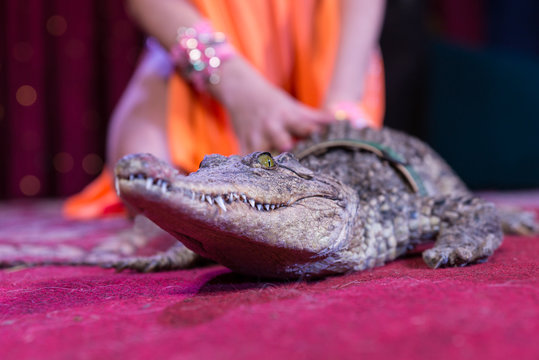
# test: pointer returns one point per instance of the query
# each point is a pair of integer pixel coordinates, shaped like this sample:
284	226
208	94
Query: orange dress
292	43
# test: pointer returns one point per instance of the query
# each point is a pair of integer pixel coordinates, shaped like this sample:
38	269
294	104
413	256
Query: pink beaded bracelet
199	53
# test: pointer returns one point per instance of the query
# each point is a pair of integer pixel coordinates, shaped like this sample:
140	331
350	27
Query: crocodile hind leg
470	231
517	221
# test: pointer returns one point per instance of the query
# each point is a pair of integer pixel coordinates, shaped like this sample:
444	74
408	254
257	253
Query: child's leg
138	123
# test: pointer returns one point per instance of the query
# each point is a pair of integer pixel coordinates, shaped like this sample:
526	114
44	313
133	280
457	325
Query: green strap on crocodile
384	152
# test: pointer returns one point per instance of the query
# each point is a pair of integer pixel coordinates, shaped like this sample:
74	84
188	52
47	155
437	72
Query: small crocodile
344	200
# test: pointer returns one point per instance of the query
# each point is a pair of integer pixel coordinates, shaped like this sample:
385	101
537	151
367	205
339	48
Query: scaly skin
331	213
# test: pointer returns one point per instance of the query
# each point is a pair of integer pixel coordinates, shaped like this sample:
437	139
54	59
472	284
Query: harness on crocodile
395	159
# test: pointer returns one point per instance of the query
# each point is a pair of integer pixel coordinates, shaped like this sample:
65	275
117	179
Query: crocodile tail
516	221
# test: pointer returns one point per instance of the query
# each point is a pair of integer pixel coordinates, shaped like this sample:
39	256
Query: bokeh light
92	164
26	95
30	185
56	25
63	162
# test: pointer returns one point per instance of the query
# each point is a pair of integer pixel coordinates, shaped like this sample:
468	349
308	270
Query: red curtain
63	66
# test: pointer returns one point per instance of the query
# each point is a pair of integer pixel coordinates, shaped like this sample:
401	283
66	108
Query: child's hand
264	117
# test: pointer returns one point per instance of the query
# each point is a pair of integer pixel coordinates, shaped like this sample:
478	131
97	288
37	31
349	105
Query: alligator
344	200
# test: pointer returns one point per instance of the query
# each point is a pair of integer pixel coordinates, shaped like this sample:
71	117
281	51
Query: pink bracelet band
351	111
199	53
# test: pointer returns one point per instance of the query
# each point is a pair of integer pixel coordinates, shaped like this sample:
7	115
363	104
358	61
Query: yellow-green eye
266	160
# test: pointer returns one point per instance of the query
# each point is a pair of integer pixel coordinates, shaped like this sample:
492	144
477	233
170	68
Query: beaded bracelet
199	53
351	111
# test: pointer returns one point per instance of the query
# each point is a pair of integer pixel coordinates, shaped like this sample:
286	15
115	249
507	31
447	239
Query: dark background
462	74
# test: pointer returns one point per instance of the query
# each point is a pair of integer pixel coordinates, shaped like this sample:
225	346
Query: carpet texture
400	311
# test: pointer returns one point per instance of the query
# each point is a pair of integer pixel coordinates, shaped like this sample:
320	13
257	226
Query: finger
305	120
301	128
243	143
280	138
257	142
315	115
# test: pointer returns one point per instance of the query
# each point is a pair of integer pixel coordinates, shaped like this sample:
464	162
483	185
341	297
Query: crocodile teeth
131	177
149	183
219	200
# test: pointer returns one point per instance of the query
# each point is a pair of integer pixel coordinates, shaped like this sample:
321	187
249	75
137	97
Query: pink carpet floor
400	311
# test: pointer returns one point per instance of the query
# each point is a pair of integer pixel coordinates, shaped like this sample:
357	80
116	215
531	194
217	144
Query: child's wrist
237	77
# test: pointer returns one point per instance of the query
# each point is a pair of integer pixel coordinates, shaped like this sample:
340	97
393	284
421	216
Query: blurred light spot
30	185
23	52
75	49
92	164
63	162
26	95
56	25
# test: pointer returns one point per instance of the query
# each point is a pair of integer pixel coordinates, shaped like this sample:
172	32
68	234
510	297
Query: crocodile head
256	214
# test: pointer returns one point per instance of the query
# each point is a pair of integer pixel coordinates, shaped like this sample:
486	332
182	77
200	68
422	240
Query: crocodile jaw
232	214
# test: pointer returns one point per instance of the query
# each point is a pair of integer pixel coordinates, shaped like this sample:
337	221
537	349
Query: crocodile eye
266	160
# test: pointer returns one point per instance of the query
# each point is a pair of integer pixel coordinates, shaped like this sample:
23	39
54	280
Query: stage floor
400	311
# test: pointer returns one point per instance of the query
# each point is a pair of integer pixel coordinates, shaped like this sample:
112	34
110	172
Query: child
238	76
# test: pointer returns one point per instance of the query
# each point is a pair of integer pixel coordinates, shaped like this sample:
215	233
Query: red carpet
401	311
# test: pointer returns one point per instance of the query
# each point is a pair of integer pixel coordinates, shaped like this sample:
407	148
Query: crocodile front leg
177	257
469	232
174	255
